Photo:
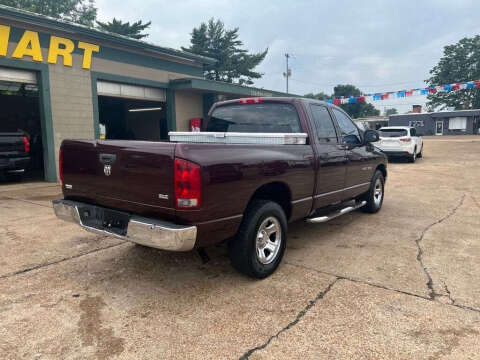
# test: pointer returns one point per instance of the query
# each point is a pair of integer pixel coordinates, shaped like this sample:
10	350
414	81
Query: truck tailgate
134	174
11	144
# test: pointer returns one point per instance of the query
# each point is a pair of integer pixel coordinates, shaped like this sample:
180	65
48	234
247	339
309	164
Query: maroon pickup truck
258	164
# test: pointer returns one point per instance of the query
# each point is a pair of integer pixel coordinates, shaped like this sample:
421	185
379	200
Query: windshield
393	132
255	118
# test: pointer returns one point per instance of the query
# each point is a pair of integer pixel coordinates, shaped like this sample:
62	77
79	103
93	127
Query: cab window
349	131
255	118
323	124
413	132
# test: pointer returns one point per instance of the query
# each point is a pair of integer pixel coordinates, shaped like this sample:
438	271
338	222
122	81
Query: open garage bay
400	284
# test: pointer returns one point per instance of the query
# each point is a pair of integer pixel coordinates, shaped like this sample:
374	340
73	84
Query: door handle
107	159
342	146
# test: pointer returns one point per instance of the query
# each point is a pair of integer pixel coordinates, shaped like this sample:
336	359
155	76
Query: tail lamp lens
26	144
188	186
406	139
60	166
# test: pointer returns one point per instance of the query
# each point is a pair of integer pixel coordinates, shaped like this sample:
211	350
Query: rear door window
323	124
255	118
393	132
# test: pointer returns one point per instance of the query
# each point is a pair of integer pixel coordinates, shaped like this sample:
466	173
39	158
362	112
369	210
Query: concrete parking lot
400	284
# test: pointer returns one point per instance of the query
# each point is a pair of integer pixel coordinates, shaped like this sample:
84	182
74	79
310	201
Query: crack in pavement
449	294
39	266
431	297
27	201
428	298
432	293
475	201
299	316
30	187
322	294
359	281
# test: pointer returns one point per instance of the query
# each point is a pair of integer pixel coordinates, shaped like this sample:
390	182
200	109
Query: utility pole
288	72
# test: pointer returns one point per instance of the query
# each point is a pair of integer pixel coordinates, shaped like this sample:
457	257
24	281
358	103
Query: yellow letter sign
65	51
29	45
87	53
4	36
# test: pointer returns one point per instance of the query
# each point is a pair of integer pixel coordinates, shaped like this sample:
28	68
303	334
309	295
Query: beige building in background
61	80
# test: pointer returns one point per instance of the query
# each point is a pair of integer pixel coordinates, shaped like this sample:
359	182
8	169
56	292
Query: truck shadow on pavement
153	263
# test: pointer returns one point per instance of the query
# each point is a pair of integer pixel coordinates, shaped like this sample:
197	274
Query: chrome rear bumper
145	231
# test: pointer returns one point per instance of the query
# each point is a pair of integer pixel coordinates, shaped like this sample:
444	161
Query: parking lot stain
92	331
452	340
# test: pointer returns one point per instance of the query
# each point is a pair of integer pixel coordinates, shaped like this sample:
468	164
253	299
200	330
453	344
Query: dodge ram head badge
107	169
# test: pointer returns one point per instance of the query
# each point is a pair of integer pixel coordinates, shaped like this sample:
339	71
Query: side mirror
352	141
371	136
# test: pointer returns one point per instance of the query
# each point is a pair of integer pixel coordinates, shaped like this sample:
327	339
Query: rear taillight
188	185
406	139
60	166
26	144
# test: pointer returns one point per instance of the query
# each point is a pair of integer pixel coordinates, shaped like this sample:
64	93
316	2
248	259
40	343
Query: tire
413	157
420	154
247	247
374	198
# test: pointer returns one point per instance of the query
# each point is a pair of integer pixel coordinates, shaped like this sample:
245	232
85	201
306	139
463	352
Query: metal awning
210	86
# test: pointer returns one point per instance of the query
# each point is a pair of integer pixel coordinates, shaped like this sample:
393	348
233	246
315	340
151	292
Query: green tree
234	64
133	30
391	111
356	110
460	62
318	96
79	11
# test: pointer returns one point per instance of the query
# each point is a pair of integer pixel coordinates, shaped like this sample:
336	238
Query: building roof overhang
70	27
218	87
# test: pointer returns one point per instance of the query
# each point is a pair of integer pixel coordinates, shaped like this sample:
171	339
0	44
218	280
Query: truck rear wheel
258	247
374	196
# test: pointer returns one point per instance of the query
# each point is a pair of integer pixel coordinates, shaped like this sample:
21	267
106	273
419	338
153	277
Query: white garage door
18	76
128	91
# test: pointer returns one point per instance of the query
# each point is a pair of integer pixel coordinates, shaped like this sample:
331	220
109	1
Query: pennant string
468	85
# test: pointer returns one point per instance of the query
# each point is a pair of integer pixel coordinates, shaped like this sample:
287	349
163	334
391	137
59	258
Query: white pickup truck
400	141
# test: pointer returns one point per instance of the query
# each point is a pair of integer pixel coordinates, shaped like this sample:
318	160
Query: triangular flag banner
459	86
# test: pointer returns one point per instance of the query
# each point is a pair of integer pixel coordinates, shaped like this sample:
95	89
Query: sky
375	45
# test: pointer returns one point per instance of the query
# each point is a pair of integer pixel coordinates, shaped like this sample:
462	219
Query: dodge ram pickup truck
14	154
258	164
